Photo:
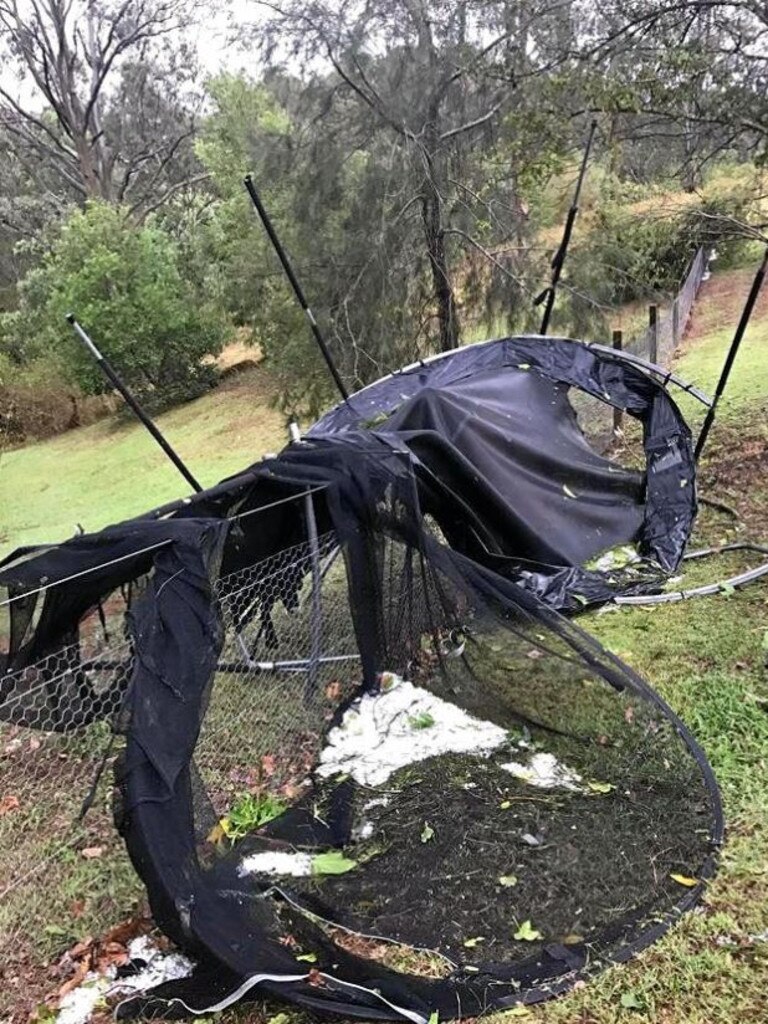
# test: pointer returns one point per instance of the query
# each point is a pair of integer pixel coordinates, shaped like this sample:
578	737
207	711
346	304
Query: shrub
124	284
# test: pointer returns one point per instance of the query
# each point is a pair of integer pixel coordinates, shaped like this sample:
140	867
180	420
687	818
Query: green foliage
125	285
642	250
423	720
249	812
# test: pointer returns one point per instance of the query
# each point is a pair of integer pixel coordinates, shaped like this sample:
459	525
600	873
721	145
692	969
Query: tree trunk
434	234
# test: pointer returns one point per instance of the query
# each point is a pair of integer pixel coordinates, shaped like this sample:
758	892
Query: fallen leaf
629	714
126	930
684	880
307	958
111	954
518	1011
471	943
77	908
333	690
527	933
508	881
315	978
268	764
534	654
332	863
427	832
631	1001
434	1017
505	805
573	939
219	832
92	852
8	804
80	949
75	981
601	787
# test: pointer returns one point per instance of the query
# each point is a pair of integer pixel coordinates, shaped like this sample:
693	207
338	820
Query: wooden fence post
675	323
653	334
618	414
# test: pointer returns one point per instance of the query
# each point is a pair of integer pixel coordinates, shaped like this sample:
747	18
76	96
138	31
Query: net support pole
297	289
112	376
316	610
618	414
722	383
548	296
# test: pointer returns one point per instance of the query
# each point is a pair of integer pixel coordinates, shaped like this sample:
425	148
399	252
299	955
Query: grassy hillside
113	469
710	333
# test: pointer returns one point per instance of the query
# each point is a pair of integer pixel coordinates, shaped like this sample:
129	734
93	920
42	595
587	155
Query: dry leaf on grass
8	804
92	852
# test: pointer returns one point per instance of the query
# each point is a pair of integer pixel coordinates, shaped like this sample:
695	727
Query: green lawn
113	469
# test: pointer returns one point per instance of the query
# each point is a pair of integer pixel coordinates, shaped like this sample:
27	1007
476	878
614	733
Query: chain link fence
608	429
658	342
289	657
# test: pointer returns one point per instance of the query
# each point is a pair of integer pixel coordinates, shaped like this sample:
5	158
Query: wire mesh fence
658	342
288	658
62	874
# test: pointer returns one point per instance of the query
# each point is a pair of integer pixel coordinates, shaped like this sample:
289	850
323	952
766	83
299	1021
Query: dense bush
124	284
642	250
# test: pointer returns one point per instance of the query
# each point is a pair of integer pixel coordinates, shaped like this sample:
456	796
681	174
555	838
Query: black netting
360	763
412	778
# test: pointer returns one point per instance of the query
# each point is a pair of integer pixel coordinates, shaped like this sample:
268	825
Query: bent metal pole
746	314
297	290
109	372
559	258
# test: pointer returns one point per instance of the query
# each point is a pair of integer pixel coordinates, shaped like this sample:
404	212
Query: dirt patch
736	471
719	305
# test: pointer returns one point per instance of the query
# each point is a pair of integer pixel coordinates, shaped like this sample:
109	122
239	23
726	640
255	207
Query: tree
124	283
109	85
686	76
429	87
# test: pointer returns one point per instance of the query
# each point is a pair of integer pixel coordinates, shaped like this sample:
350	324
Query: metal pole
618	414
109	372
316	613
559	258
746	314
297	290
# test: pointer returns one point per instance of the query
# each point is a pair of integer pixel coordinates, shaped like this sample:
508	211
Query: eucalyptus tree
440	109
688	77
100	92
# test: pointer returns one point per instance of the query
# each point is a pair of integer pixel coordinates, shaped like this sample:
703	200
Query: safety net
356	768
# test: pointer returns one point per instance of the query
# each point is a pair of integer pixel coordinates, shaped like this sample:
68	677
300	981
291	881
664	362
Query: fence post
618	414
675	322
653	334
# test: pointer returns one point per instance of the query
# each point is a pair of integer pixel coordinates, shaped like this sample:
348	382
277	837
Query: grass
113	470
709	336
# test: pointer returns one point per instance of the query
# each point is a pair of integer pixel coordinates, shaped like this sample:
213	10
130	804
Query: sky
212	40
